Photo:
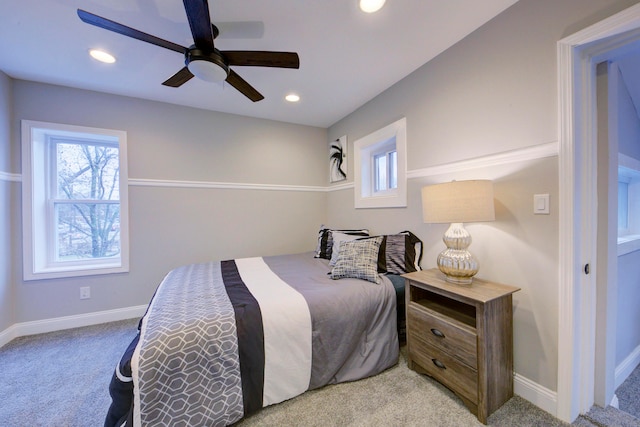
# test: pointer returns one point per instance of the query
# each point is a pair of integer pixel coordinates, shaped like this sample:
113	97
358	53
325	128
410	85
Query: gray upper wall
5	124
629	143
6	188
183	143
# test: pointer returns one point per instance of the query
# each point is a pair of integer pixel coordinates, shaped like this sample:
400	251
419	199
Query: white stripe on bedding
287	331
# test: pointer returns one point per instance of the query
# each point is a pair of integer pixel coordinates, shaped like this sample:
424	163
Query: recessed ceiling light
102	56
292	97
371	6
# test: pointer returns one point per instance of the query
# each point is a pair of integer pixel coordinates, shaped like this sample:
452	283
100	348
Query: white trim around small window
70	228
390	141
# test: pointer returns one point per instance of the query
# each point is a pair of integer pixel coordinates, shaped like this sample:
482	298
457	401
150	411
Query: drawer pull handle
437	333
438	363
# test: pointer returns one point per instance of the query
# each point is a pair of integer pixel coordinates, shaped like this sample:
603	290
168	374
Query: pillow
325	240
358	259
417	245
337	239
400	253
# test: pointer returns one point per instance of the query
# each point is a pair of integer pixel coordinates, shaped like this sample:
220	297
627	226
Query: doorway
580	372
618	344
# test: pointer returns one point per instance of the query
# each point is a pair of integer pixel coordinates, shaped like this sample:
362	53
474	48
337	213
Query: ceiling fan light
292	97
207	71
102	56
370	6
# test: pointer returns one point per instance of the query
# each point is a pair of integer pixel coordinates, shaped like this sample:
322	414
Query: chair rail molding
11	177
506	157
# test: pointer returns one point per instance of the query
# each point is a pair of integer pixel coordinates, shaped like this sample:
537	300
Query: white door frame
578	56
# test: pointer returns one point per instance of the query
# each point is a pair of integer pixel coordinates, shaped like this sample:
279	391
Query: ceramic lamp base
456	262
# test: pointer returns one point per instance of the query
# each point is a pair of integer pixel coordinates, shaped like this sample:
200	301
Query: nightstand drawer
457	376
431	328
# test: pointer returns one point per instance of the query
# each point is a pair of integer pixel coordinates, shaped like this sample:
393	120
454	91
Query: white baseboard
547	400
68	322
624	369
615	402
540	396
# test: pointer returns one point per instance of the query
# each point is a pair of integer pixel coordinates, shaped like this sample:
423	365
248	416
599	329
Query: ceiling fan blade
179	78
107	24
256	58
245	88
200	23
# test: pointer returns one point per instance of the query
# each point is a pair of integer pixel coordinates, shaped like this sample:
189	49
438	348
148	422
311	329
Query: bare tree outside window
86	200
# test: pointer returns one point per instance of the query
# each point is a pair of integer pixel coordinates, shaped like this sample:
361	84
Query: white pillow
337	239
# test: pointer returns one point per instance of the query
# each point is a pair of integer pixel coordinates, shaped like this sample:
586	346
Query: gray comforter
221	340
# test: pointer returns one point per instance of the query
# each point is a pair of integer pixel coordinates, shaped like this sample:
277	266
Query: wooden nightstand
462	335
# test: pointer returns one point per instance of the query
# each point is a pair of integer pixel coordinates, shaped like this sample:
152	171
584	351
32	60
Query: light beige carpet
61	379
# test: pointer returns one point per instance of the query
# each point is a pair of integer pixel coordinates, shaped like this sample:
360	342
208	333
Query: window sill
63	272
628	244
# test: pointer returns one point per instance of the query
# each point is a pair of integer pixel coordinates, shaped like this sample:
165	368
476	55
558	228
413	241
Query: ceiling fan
202	59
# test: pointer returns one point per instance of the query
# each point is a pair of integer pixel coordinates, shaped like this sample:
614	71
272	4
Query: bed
220	340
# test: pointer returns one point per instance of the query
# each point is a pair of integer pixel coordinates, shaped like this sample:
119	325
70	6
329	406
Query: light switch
541	204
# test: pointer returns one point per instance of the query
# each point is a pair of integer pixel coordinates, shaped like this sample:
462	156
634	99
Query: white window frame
38	259
393	136
385	153
629	172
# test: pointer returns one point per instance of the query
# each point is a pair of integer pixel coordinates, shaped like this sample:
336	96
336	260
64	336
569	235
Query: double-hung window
74	201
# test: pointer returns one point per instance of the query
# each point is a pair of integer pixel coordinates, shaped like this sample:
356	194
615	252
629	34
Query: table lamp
458	202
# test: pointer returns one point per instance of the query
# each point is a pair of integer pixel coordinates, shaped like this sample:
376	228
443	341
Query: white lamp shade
458	201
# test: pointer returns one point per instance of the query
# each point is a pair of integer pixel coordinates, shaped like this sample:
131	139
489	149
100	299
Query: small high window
380	168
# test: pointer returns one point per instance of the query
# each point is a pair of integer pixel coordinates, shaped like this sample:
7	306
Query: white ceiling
347	57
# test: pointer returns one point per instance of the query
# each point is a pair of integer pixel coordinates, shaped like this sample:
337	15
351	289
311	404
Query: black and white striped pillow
324	248
400	253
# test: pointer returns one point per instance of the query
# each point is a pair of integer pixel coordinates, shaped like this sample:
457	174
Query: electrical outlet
85	292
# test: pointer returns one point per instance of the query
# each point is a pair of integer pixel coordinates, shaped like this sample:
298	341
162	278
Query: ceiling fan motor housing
206	65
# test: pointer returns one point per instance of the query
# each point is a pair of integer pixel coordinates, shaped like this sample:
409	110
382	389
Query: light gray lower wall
172	224
6	288
6	188
493	92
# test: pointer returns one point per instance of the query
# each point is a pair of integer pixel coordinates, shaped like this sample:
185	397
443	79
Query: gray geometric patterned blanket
221	340
190	322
